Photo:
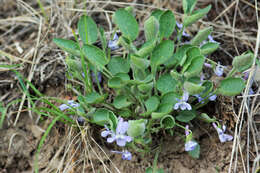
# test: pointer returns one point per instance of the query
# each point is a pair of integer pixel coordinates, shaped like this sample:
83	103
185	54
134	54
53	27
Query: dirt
68	150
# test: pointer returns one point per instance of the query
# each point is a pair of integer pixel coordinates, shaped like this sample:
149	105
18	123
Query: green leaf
209	48
162	52
124	77
193	88
121	102
195	153
191	53
93	98
166	83
188	6
204	117
201	36
125	113
151	28
118	65
104	116
136	127
167	24
95	56
146	49
208	88
163	109
68	45
140	63
167	122
115	82
243	62
189	20
103	38
179	57
146	87
195	67
170	98
186	116
157	13
126	23
152	104
231	86
87	28
73	64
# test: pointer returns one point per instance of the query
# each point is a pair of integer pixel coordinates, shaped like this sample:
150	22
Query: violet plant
160	82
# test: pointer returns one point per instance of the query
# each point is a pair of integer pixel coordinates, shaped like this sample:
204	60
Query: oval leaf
208	48
151	28
87	28
186	116
126	23
167	24
166	83
118	65
201	36
136	127
121	102
193	88
95	55
68	45
189	20
152	104
162	52
231	86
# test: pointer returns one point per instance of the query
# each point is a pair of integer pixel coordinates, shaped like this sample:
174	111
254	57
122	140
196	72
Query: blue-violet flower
222	136
71	104
179	25
182	104
126	155
113	44
118	136
189	144
219	70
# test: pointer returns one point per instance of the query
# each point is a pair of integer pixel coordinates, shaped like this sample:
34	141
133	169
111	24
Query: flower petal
63	107
111	139
185	96
190	145
105	133
225	137
128	138
121	126
126	155
121	142
213	97
176	106
188	106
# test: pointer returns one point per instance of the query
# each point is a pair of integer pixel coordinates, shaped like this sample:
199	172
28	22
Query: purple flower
202	99
213	97
211	39
94	77
182	104
189	144
113	44
251	91
71	104
222	136
119	136
219	70
126	155
207	65
179	25
246	74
